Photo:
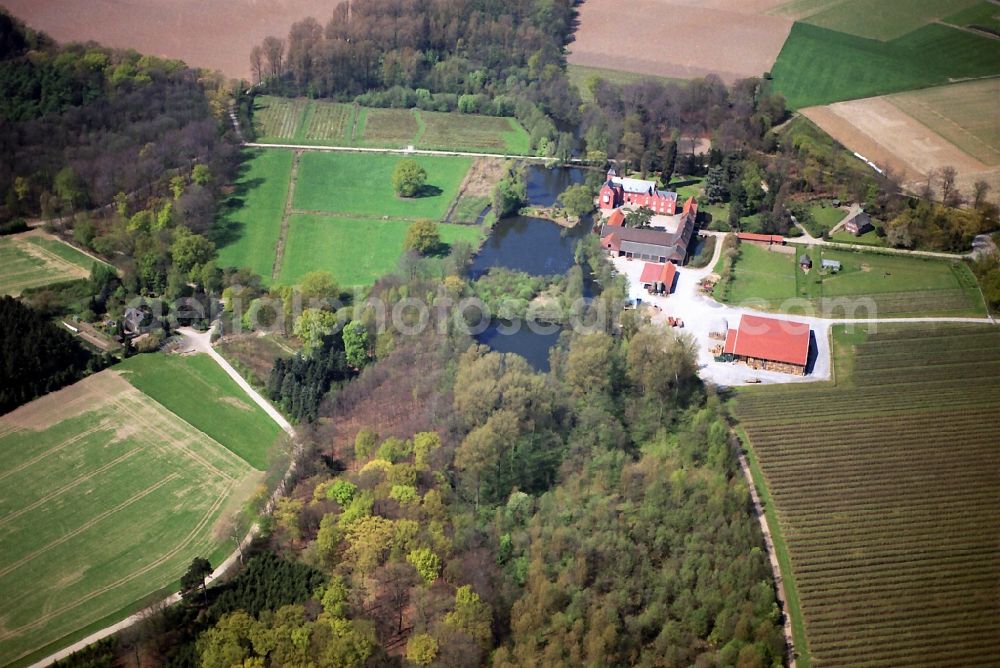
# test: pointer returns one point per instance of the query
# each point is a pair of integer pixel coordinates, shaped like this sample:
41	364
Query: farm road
414	151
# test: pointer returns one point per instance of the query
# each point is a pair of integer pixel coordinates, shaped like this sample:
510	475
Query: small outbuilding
658	278
832	265
805	261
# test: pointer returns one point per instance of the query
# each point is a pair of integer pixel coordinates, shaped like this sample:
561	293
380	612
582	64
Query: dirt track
680	38
217	34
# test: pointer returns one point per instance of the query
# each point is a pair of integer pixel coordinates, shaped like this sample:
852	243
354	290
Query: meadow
280	120
818	66
196	389
32	261
874	19
105	497
356	251
892	285
360	184
249	228
882	496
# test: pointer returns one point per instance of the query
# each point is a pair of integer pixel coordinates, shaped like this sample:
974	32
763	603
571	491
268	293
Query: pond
538	247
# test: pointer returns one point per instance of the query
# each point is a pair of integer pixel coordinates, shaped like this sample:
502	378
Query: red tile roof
770	339
766	238
691	205
616	219
654	272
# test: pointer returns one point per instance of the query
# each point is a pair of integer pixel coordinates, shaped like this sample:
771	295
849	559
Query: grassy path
279	249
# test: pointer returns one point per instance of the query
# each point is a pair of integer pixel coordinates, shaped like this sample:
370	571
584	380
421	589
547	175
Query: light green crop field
105	497
819	66
980	15
355	251
869	284
963	113
30	262
247	232
360	184
199	391
874	19
882	496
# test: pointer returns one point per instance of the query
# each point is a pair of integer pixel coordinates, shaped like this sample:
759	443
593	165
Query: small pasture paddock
882	496
356	251
360	184
105	497
248	229
30	260
494	134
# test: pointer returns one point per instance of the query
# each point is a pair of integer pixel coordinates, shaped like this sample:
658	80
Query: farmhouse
659	278
652	244
859	223
618	191
769	344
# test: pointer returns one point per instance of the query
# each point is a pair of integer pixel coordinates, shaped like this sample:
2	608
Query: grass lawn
247	231
823	219
355	251
468	209
199	391
866	239
360	184
30	262
105	497
818	66
891	285
580	76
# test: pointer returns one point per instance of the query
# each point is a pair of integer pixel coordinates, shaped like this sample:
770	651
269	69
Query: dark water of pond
535	246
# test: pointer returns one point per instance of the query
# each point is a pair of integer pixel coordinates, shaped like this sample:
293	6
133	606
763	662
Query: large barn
769	344
652	244
618	191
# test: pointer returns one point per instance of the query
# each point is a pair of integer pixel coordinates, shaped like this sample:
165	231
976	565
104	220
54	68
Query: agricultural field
877	285
360	184
280	120
196	389
356	251
873	19
818	66
679	38
881	497
29	260
983	15
916	132
581	76
105	497
248	230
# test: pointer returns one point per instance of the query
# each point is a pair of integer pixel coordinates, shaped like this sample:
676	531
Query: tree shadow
427	191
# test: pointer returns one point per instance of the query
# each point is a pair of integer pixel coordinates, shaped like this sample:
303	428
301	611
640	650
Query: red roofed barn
770	344
659	277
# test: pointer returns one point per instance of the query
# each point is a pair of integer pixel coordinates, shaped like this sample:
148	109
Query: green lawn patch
66	252
468	208
818	66
763	276
248	229
360	184
356	251
867	239
105	497
877	19
581	76
200	392
824	218
979	15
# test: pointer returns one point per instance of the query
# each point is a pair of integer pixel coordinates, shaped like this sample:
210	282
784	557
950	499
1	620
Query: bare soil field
680	38
217	34
885	134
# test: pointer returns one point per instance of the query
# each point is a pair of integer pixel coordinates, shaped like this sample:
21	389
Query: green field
360	184
580	76
884	496
979	15
248	230
867	239
30	262
893	285
963	113
280	120
824	218
355	251
874	19
819	66
199	391
105	497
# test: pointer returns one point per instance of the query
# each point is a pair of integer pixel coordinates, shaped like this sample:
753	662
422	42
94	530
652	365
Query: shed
832	265
805	261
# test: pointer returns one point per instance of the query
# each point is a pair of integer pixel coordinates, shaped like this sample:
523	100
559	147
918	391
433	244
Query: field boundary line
162	432
85	526
134	574
65	488
279	248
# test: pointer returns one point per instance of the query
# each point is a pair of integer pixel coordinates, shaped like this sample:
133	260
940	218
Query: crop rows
278	118
891	304
330	121
396	127
887	498
450	130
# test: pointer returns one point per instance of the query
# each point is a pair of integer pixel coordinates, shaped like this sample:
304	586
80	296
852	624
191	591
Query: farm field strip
884	516
27	263
131	497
